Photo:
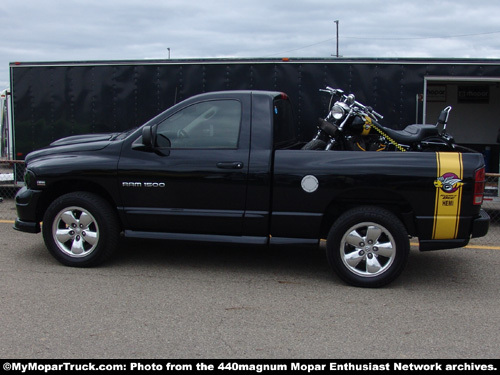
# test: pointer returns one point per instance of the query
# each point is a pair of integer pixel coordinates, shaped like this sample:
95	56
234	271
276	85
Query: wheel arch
388	200
70	186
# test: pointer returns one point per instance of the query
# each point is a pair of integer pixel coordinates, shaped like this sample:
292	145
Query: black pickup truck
227	167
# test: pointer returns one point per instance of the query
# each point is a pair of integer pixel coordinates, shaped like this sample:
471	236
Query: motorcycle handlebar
369	110
332	91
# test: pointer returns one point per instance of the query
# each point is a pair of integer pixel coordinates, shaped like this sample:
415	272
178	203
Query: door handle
230	165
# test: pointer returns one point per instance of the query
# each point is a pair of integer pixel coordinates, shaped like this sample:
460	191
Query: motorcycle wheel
368	247
315	144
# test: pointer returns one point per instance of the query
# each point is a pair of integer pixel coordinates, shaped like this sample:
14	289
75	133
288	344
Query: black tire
368	246
315	144
81	229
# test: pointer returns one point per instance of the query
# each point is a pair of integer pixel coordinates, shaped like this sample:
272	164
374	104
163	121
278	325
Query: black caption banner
250	366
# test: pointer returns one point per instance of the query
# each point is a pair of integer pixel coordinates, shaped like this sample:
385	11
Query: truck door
195	181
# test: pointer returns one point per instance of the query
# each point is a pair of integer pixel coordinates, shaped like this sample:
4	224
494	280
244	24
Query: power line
385	38
303	47
421	37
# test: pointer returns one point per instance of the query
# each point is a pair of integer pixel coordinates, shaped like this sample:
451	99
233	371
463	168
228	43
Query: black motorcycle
353	126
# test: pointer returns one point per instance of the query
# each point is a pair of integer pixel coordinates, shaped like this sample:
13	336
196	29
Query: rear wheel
368	246
80	229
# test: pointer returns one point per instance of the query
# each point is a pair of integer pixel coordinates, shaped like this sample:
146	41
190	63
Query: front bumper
28	227
26	206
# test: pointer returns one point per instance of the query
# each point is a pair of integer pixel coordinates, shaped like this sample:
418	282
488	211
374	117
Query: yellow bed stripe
448	203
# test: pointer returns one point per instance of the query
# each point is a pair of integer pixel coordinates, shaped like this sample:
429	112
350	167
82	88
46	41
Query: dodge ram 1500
227	167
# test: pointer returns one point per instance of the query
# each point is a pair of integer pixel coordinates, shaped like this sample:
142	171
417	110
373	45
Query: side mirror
151	142
148	137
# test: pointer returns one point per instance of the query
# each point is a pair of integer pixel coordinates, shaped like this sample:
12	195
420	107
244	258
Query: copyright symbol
7	366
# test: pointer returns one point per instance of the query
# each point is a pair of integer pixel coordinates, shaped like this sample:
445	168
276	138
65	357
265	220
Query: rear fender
373	197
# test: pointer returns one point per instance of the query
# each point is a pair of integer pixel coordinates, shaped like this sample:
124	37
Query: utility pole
337	23
168	52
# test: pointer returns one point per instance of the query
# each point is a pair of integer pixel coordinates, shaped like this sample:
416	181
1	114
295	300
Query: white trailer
6	137
6	150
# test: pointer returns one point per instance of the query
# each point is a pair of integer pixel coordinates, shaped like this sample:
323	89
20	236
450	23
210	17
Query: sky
73	30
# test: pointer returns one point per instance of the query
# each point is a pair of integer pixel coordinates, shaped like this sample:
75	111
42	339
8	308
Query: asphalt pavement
172	300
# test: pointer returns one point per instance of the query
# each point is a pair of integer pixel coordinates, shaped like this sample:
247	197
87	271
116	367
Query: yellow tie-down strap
448	195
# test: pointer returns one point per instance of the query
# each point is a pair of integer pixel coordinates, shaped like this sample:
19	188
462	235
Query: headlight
337	112
30	180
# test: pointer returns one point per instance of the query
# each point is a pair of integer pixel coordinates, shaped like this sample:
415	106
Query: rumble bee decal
449	182
448	185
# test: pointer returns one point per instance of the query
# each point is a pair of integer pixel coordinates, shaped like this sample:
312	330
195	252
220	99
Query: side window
210	124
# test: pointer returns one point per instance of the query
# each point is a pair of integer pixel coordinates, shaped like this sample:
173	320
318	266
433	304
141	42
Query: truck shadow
438	269
425	270
428	270
277	261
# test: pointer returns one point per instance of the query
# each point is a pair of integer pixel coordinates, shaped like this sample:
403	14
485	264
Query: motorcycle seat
412	133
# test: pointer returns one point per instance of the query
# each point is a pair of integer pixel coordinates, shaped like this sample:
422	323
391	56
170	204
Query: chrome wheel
75	232
368	246
367	249
81	229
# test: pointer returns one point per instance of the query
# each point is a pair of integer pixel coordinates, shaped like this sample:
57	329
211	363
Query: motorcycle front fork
330	144
321	136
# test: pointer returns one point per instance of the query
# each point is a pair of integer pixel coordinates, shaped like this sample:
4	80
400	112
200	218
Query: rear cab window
284	126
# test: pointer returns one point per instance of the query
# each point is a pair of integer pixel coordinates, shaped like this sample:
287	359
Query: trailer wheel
80	229
368	246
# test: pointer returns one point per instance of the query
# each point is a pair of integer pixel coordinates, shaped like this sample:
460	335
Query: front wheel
368	246
80	229
315	144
